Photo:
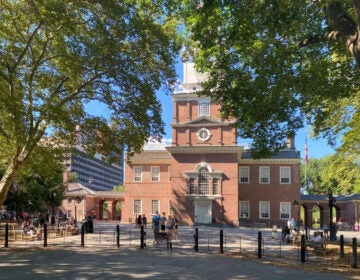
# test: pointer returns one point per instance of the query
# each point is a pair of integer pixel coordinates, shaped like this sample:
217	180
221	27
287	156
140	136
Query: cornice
270	161
205	149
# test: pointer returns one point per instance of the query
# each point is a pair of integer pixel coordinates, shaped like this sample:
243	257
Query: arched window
203	181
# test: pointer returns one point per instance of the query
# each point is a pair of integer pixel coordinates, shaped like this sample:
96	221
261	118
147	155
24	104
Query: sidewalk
135	263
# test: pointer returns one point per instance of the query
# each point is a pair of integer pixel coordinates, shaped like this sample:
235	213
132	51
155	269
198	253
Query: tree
274	64
57	56
39	184
331	174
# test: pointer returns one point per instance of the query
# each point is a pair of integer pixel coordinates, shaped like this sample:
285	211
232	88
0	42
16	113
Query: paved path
134	263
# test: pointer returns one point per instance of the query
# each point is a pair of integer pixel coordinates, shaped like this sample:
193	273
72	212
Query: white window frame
244	174
264	175
137	206
264	210
155	173
155	206
285	175
138	174
216	186
204	108
244	209
285	210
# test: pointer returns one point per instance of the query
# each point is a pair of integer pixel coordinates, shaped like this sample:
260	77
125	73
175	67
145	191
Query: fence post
118	236
342	255
142	237
354	253
221	242
259	245
82	235
302	248
196	240
6	235
45	235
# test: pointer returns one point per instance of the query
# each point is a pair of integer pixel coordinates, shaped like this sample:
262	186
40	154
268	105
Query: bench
318	247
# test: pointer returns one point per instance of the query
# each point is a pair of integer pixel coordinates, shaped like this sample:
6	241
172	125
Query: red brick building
204	176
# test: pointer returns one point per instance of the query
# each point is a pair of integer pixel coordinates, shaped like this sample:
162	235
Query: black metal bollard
142	237
118	236
6	235
259	245
82	235
45	235
342	255
196	240
221	242
354	253
302	248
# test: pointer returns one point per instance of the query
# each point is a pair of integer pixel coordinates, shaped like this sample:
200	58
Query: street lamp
332	226
296	205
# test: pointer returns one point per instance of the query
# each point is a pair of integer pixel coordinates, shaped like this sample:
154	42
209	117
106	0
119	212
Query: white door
203	212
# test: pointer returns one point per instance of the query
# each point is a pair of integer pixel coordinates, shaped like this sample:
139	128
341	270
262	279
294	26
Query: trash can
284	231
274	232
90	223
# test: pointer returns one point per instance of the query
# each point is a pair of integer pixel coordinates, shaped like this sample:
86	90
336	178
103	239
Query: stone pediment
203	120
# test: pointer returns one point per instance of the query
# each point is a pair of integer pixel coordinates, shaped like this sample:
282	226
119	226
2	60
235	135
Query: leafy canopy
59	55
274	64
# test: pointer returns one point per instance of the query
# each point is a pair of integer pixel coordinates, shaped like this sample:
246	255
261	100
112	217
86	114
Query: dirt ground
330	263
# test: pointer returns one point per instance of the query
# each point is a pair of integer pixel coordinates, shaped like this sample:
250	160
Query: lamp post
332	226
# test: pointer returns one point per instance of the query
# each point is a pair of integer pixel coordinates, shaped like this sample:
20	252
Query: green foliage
331	174
274	64
58	56
39	184
119	188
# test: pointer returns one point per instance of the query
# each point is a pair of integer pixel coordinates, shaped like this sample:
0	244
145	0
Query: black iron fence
218	241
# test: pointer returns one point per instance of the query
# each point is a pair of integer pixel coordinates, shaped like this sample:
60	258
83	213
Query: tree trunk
9	175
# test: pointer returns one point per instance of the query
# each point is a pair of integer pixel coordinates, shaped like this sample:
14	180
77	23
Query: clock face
203	134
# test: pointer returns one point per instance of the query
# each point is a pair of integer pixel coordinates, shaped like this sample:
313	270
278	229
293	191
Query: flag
306	151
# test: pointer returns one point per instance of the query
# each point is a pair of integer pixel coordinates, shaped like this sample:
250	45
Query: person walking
156	226
162	222
144	221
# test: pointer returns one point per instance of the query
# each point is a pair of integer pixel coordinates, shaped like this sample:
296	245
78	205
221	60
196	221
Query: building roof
282	154
151	157
324	197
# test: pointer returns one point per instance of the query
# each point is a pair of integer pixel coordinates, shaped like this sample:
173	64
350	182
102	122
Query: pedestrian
156	226
144	220
162	222
175	232
138	221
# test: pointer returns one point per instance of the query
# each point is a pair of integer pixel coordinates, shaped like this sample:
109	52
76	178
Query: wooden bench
318	247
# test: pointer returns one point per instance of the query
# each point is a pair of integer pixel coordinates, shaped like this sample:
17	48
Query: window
155	207
204	108
138	174
285	210
192	185
244	175
203	180
137	207
244	209
155	174
285	175
264	210
203	134
264	175
216	187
